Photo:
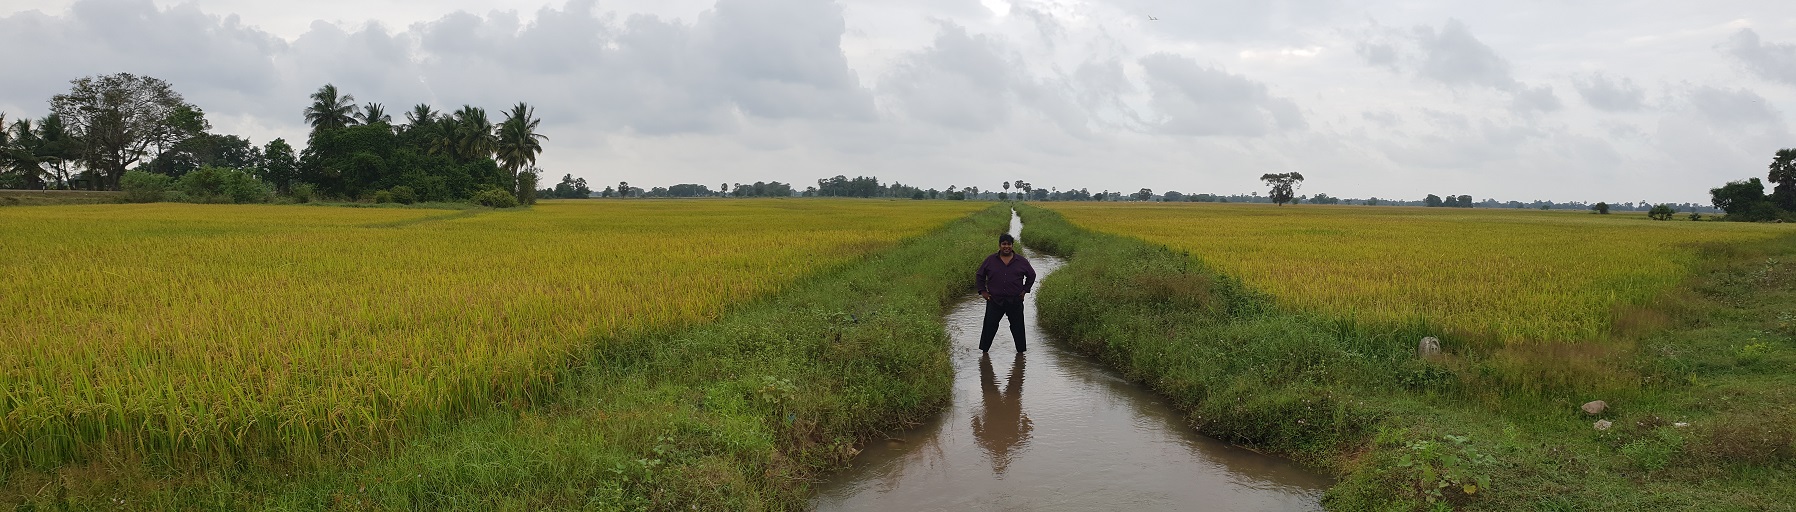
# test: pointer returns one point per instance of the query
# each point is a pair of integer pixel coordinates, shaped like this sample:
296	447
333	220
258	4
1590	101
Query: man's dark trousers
999	307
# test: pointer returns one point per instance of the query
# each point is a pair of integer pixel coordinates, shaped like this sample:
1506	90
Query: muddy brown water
1052	429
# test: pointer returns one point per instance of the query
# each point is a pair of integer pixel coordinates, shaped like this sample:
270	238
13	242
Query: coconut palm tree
518	142
420	114
373	113
473	134
330	109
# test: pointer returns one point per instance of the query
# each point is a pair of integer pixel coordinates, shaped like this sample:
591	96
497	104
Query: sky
1644	100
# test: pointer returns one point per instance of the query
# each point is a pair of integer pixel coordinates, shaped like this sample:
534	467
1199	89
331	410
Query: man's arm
980	276
1028	277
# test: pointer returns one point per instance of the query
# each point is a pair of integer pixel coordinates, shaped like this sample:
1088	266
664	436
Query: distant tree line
124	131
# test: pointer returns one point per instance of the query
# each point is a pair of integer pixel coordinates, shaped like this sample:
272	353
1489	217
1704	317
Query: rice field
1517	275
229	332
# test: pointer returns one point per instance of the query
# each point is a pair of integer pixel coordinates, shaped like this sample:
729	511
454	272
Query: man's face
1004	248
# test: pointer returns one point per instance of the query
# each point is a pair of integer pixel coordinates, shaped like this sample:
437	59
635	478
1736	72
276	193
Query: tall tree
279	165
373	113
119	118
1284	186
473	134
60	149
420	114
330	109
518	142
22	158
1783	178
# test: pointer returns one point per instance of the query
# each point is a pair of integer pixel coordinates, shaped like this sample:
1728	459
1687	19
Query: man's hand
986	295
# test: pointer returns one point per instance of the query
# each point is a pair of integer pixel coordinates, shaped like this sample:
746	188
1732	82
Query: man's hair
1006	239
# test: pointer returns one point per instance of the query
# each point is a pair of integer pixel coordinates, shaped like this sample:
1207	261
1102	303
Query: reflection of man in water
1003	279
1002	425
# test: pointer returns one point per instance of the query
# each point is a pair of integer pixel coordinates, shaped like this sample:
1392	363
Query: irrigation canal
1051	429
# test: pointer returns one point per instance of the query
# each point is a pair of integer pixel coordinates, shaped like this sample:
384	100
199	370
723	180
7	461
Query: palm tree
473	134
1783	177
420	114
374	113
330	110
518	142
22	154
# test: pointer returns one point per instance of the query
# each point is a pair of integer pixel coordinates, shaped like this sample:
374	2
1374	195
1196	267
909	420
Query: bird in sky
1152	18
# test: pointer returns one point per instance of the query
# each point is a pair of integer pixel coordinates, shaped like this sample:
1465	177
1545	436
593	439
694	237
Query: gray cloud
1193	99
1620	95
1378	54
1771	61
1731	107
214	61
1452	56
961	81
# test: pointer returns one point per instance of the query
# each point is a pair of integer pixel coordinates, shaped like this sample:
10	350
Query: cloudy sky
1655	100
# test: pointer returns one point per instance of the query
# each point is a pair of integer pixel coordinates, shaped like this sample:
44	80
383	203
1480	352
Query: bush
223	185
494	197
1661	212
303	192
1601	208
383	197
404	195
145	187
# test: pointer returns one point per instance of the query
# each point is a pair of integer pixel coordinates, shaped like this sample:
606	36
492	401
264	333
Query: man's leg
993	312
1014	311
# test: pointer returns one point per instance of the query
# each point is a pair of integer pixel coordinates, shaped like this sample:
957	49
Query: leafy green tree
279	166
1284	186
1465	201
1143	195
1661	212
1783	177
1744	200
1600	208
121	119
330	109
1433	201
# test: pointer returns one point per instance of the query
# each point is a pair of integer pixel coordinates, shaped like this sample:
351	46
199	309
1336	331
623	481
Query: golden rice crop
1518	275
282	330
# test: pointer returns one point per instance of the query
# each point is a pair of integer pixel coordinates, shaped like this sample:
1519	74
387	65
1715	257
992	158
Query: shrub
1447	470
494	197
383	197
404	195
1695	216
145	187
223	185
1601	208
303	192
1661	212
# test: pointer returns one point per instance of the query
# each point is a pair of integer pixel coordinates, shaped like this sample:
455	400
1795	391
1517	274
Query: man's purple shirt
1002	280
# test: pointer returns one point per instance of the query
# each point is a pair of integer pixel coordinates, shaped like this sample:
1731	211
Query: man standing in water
1003	279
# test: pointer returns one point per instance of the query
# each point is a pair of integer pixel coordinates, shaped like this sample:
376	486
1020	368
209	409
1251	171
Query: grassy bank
734	414
56	197
1483	426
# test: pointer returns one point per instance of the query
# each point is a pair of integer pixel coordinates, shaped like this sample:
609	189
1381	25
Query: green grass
736	414
1717	354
